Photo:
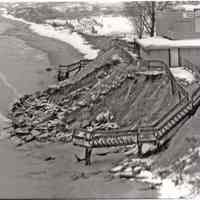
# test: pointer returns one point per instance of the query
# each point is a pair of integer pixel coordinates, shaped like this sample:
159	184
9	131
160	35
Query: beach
48	170
25	56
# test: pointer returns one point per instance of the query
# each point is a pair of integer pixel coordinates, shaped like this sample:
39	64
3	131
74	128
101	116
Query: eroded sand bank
25	173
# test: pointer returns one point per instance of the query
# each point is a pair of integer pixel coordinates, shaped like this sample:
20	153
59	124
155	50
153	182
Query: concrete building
172	52
178	38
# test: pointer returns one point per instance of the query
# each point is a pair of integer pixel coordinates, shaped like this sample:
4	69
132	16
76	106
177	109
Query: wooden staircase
64	71
158	133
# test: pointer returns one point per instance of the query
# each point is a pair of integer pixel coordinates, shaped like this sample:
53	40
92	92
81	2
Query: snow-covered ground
104	25
179	184
164	43
176	184
73	6
64	34
182	73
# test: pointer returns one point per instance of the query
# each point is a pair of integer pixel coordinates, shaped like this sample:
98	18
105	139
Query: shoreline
54	174
57	52
69	37
37	41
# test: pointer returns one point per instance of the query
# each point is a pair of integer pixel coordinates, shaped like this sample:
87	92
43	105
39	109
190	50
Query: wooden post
139	144
88	150
59	75
157	143
67	74
172	86
179	95
139	149
88	153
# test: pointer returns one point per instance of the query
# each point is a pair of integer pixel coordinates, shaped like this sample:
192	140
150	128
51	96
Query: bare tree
146	21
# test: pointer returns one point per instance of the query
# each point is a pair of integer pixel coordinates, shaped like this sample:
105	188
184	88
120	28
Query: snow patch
167	187
160	42
148	177
59	22
103	25
65	35
170	190
182	73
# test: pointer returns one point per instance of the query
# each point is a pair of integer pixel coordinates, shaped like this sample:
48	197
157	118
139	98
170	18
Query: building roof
163	43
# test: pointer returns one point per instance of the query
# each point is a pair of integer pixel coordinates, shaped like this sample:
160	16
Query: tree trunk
153	19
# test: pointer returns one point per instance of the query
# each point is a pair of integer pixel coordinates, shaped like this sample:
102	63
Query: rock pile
106	94
36	117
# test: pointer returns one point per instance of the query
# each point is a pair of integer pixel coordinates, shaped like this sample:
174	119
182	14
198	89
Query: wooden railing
65	70
142	134
194	68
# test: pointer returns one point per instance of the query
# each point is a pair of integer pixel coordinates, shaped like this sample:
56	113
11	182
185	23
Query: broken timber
64	71
158	133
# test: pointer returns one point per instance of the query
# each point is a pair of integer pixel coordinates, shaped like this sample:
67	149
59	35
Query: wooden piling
88	153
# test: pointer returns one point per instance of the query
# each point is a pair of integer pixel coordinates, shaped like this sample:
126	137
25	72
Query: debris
48	69
50	158
78	158
101	97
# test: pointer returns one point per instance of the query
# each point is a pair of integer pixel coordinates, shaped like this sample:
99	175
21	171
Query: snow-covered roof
163	43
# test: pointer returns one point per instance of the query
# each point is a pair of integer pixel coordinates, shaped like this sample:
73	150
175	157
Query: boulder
43	137
20	131
85	123
29	138
17	141
35	133
76	124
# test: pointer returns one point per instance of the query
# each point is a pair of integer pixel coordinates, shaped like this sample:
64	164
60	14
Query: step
176	118
160	132
182	113
163	130
185	111
179	116
173	121
168	126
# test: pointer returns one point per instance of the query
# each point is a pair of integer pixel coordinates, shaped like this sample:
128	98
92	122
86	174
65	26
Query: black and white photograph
99	99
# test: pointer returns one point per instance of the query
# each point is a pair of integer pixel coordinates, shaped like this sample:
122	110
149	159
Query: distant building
172	52
178	38
178	24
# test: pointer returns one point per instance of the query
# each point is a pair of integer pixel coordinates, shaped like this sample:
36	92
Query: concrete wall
166	20
162	55
192	55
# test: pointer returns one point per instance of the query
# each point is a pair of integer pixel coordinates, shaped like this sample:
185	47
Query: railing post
88	153
157	140
139	143
88	149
